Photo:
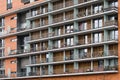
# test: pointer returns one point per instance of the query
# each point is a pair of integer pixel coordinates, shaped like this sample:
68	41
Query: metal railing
68	71
81	56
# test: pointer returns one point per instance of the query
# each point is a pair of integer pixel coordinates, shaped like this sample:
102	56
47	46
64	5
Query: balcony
81	57
21	74
61	21
34	73
111	8
105	53
109	23
68	72
3	76
64	46
82	71
58	7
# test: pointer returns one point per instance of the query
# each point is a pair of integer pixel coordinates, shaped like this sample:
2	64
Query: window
43	46
86	39
2	72
34	12
71	54
112	17
12	62
97	8
33	59
83	26
9	4
35	47
69	41
57	44
100	63
13	18
57	31
113	4
44	9
42	22
25	1
13	72
114	35
13	40
98	23
83	52
97	37
2	23
47	57
69	28
113	62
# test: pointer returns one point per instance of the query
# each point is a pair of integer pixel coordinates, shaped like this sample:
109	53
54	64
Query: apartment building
59	40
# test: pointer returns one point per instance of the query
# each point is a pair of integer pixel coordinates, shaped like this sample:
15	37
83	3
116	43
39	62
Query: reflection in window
69	41
100	63
98	23
97	37
113	4
69	28
97	8
83	26
57	43
114	35
86	39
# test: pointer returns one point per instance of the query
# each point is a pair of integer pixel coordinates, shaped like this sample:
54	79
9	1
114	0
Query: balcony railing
105	53
80	56
81	70
34	37
34	73
110	8
3	76
83	42
59	19
44	35
21	74
109	23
